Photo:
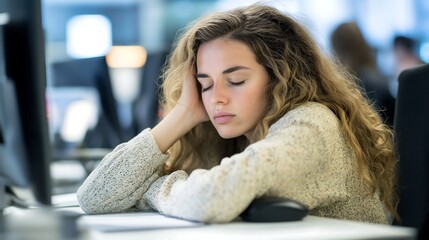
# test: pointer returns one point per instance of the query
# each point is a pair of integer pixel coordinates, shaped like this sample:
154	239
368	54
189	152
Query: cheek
260	100
205	100
258	96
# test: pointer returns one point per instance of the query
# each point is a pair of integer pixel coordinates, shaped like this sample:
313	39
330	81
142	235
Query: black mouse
274	209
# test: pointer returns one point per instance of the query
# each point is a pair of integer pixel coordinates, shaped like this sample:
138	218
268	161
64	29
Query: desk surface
311	227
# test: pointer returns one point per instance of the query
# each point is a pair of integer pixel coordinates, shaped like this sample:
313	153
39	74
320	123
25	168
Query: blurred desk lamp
125	68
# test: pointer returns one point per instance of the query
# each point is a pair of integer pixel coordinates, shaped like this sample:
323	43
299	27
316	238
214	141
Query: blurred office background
104	59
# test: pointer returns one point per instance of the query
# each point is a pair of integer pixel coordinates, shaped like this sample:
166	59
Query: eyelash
232	83
236	83
205	89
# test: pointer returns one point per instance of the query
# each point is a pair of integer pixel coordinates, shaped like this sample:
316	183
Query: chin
229	134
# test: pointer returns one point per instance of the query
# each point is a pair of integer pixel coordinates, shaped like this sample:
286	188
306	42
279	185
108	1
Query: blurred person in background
405	54
353	51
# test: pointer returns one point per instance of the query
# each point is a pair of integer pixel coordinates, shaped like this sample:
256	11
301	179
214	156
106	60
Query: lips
223	117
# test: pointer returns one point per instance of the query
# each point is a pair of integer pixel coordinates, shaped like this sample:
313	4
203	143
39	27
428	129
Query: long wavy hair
299	72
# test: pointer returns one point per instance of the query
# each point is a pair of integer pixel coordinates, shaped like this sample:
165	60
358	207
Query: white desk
310	228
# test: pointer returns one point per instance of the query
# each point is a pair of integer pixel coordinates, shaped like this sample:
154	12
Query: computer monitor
24	137
92	73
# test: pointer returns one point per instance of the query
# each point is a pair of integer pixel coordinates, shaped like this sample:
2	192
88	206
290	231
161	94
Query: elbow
88	209
85	201
93	202
90	203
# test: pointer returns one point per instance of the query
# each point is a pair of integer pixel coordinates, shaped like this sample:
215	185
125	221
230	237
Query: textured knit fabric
304	157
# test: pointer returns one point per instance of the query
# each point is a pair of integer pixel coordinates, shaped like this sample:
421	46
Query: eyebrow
229	70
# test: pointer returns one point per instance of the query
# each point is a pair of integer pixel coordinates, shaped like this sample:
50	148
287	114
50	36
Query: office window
88	36
424	52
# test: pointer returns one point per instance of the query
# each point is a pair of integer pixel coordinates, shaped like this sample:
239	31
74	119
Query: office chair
412	132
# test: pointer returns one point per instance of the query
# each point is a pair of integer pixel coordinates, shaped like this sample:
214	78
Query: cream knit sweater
304	157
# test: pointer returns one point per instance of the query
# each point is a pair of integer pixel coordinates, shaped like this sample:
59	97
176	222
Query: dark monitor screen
93	73
24	137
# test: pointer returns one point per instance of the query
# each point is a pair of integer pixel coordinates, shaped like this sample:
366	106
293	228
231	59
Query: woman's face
233	86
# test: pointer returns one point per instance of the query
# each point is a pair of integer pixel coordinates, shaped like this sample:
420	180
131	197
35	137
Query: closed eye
230	82
206	88
237	83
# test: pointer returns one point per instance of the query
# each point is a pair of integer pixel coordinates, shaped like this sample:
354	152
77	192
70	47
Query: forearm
176	124
216	195
122	177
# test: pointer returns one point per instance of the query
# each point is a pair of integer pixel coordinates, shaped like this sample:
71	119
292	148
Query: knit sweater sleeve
223	192
292	155
121	178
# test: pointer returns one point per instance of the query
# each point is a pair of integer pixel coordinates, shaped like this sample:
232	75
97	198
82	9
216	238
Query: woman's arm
188	112
223	192
120	180
123	175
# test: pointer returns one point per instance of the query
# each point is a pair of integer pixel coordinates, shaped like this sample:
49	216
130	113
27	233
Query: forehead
224	53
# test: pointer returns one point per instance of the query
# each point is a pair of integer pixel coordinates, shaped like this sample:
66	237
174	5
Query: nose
219	94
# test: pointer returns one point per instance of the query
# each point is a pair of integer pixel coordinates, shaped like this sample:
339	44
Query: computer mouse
274	209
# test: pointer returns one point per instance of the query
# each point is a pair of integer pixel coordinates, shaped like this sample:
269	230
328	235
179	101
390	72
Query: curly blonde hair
299	72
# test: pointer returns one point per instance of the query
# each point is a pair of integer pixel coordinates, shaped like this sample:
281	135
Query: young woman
253	109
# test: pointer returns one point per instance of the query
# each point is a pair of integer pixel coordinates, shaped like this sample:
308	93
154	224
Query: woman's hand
188	113
191	101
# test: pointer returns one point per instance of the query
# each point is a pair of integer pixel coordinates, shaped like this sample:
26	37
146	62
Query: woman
253	109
